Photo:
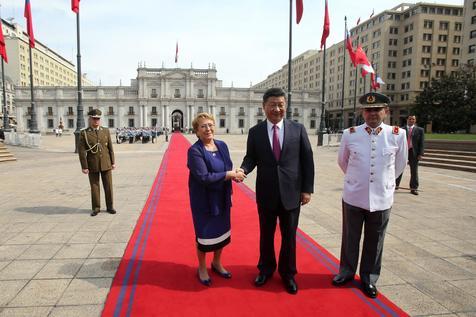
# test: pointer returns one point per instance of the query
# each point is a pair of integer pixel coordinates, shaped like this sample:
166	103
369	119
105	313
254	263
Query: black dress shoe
261	279
290	286
341	280
205	282
370	290
111	211
222	274
414	192
94	213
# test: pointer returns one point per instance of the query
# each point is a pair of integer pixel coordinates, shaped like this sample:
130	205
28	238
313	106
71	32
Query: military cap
374	100
95	113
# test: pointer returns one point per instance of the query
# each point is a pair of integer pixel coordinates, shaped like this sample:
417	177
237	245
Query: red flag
361	59
29	23
3	48
299	10
350	49
75	6
326	28
176	53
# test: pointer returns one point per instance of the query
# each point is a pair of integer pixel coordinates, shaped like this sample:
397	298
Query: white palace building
159	97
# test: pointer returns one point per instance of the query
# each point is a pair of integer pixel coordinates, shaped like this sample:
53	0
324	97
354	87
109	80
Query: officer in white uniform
371	156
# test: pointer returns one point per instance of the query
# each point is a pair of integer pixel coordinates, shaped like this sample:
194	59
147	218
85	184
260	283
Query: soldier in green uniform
97	159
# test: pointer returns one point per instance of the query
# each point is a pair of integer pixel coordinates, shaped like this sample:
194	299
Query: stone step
5	155
449	161
449	166
7	159
450	157
450	152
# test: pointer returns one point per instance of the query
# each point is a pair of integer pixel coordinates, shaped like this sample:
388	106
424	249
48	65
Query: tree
449	103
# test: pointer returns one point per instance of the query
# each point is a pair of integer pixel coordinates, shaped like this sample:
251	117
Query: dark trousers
413	162
375	224
106	177
288	223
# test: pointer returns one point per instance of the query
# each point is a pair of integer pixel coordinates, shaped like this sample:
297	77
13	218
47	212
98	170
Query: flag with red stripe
326	28
3	47
29	23
75	6
350	49
299	10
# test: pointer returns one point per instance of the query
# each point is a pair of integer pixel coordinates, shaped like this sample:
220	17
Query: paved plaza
56	260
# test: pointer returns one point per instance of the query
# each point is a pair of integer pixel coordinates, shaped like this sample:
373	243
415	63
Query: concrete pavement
56	260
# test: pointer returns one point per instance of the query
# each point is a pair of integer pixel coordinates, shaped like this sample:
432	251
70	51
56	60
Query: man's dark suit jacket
291	176
418	140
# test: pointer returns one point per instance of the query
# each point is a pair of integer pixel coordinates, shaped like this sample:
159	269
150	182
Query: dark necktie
409	139
276	147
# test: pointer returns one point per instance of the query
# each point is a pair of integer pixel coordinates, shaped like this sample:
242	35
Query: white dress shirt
371	162
280	125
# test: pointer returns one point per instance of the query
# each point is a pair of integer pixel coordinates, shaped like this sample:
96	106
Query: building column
141	109
146	117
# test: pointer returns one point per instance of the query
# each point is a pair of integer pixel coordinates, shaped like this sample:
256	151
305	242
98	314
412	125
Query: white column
146	118
141	118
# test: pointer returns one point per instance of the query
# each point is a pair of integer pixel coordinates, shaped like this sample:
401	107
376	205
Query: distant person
209	186
97	159
370	155
416	147
60	132
282	153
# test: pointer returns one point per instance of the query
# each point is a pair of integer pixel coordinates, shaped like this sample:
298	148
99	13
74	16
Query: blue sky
245	39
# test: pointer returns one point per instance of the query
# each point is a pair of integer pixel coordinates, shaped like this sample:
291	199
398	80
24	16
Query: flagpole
341	123
288	108
6	121
355	90
79	108
322	125
33	123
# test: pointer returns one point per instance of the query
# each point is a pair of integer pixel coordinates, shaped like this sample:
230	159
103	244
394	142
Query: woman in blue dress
210	192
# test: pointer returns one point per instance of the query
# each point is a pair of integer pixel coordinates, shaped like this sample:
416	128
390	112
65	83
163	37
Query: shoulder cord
93	149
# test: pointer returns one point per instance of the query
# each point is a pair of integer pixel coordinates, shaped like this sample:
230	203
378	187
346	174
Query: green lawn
453	136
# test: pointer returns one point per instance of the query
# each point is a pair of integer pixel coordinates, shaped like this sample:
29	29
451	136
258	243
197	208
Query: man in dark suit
282	153
416	140
97	159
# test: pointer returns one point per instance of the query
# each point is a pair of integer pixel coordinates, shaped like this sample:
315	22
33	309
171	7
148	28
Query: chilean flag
326	28
3	48
29	23
350	49
75	6
299	10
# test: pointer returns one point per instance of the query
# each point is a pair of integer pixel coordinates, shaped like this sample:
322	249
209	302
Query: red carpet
157	275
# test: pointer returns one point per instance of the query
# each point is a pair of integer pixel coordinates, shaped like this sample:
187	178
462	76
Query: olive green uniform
96	155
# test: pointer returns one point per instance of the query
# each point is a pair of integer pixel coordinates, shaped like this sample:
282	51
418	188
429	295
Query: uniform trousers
106	177
413	162
288	223
375	224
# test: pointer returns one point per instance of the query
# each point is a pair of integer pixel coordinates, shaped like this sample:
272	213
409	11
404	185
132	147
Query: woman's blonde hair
202	115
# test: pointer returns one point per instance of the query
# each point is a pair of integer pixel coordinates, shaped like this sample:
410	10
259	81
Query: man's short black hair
273	92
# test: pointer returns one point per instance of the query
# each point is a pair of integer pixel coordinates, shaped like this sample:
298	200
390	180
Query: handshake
238	175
